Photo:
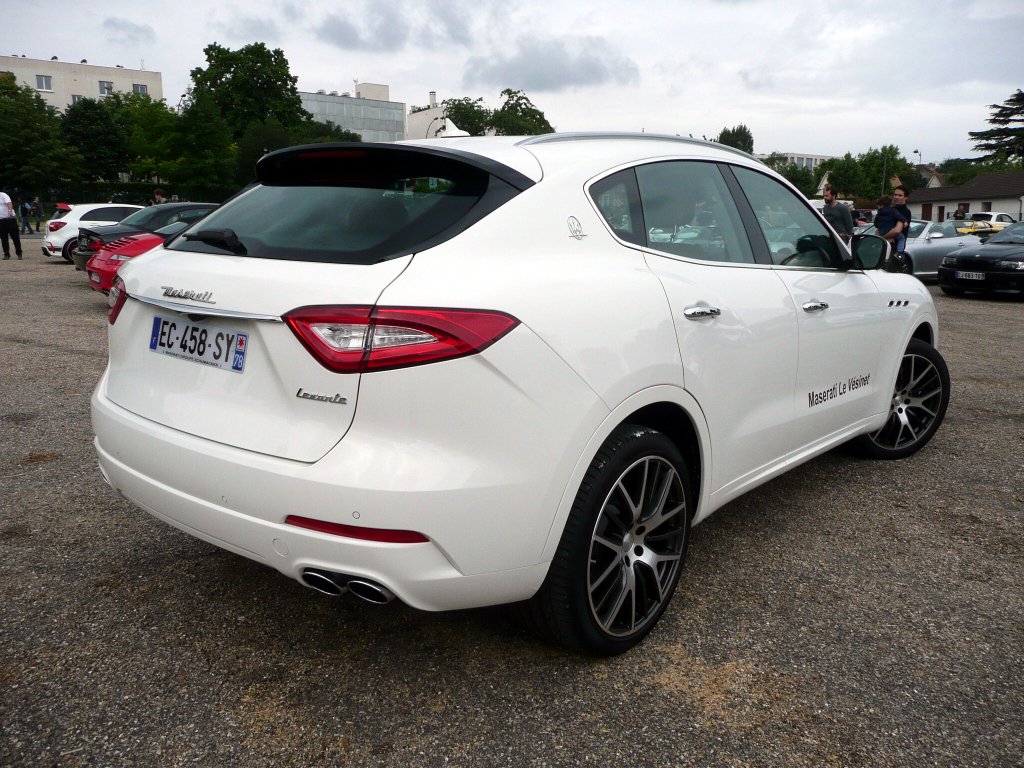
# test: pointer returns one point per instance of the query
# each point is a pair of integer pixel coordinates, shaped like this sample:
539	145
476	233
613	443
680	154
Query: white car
61	236
497	370
997	219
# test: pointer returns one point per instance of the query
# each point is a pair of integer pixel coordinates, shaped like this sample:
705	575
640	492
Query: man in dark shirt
899	202
837	214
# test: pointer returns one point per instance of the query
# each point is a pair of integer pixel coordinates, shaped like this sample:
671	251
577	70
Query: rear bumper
485	495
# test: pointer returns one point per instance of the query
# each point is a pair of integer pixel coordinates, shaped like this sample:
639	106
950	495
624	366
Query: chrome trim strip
192	309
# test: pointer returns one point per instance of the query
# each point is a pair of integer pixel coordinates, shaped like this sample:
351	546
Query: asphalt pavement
850	613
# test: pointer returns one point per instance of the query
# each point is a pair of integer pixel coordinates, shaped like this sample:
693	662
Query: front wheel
917	408
622	549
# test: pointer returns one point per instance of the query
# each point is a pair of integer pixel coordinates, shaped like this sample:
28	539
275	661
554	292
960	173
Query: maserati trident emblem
204	297
575	228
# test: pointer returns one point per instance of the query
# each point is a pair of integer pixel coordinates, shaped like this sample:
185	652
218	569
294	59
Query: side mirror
870	251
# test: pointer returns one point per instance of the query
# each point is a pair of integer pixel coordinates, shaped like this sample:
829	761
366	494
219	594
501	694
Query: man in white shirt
9	225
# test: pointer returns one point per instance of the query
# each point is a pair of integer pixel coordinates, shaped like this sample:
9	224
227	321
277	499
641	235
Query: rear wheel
917	408
67	252
952	291
622	549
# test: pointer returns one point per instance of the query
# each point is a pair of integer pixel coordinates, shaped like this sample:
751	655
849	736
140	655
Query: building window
106	87
75	98
140	88
44	83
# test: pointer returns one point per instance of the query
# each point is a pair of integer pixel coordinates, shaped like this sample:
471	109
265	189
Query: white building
61	83
430	123
370	112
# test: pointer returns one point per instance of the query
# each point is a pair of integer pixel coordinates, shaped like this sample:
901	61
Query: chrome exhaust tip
324	582
370	591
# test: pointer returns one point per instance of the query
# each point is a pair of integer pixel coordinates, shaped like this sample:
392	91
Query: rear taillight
53	226
363	339
95	245
116	299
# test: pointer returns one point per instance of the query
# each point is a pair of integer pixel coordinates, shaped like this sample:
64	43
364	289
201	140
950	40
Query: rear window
349	205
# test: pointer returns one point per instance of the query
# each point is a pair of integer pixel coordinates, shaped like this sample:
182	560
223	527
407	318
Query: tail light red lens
363	339
116	299
95	245
387	535
53	226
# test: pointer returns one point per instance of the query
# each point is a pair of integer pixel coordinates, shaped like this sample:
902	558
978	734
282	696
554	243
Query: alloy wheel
636	546
916	404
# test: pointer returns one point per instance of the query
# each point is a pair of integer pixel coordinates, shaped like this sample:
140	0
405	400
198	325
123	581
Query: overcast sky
815	77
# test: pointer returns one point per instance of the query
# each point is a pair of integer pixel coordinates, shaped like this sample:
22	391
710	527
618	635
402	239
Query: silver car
928	242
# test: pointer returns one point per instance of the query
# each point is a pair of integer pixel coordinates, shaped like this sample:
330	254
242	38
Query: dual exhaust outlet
337	584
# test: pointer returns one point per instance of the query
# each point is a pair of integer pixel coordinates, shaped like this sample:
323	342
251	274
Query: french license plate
206	344
970	275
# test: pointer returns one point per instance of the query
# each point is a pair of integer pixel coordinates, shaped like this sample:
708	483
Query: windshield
1014	234
144	217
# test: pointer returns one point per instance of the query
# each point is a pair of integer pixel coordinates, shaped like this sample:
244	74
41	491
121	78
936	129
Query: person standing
961	212
37	212
25	211
9	226
899	202
837	214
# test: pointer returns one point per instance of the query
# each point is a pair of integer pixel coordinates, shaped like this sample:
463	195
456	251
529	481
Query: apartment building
62	83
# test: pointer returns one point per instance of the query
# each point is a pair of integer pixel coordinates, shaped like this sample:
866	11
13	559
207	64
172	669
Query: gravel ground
851	613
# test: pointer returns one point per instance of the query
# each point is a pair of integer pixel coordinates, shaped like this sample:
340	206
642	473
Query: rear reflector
363	339
386	535
116	300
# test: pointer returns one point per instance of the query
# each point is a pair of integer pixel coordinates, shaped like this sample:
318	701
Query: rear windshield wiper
219	238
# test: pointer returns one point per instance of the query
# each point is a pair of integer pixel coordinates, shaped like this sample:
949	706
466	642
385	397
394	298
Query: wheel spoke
598	539
614	565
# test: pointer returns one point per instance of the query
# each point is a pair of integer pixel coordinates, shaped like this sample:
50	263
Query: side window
796	237
689	211
616	198
109	214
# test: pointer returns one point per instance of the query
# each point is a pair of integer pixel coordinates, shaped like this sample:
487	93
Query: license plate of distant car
970	275
202	343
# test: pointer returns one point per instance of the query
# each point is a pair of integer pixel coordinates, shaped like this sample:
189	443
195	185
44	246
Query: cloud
553	64
127	32
385	31
445	23
253	28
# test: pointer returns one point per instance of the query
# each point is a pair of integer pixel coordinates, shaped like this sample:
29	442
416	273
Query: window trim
101	83
48	80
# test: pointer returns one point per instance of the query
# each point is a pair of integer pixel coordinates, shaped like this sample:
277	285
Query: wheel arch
924	332
667	409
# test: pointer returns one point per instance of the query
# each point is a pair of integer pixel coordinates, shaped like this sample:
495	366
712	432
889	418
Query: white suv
61	236
490	370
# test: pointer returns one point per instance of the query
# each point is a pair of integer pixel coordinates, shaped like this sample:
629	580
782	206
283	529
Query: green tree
739	137
1005	141
33	154
250	85
202	151
149	125
879	166
844	174
314	132
517	116
89	127
801	178
470	115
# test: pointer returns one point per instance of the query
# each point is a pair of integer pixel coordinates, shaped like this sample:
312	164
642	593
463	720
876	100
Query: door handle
815	306
699	313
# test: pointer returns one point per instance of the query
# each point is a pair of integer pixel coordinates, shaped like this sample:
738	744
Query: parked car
995	219
981	229
997	265
150	219
103	267
61	236
928	242
477	372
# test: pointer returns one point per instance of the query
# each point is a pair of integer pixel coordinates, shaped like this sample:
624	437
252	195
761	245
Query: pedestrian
837	214
25	211
899	202
37	212
961	212
888	221
9	226
159	196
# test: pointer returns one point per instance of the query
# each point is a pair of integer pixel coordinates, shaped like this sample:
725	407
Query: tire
66	251
622	549
952	291
918	405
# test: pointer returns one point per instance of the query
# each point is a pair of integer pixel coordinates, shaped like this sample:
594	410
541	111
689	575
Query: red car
102	268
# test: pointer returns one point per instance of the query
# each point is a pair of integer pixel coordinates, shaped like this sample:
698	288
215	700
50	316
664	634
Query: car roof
586	153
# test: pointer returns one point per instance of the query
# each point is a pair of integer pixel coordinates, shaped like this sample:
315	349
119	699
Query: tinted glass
617	200
689	211
1012	234
375	213
795	235
916	228
113	214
